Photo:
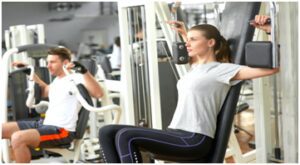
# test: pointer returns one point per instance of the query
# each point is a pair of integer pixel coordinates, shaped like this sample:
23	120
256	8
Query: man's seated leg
21	141
32	134
8	129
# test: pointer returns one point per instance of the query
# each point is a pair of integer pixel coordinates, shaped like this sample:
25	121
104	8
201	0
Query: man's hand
20	64
79	68
262	22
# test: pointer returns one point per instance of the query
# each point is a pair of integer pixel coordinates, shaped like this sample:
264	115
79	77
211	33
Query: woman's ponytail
223	51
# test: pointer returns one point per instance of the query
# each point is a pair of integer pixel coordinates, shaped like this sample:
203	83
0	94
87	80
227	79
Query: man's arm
90	82
44	87
245	73
92	85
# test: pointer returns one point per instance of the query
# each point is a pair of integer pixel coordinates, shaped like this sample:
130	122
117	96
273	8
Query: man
116	55
61	117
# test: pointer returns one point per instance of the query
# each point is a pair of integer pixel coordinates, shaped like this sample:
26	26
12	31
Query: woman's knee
124	135
110	130
106	130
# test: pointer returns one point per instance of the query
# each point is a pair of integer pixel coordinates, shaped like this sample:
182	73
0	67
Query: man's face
55	65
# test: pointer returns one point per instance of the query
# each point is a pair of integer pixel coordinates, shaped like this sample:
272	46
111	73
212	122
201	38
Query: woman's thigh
180	143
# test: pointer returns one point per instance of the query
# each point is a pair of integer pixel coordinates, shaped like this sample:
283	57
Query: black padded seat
83	115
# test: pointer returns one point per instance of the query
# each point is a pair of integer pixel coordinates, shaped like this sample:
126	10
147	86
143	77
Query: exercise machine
74	155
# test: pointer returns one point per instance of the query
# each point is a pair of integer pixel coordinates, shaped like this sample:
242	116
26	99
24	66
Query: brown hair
63	53
221	47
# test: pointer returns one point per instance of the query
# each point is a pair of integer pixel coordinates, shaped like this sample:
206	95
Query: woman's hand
261	22
179	27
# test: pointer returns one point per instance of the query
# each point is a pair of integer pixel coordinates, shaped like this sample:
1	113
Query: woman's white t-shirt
201	93
63	105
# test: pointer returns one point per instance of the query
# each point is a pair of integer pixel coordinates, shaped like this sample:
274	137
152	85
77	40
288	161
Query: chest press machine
70	154
236	29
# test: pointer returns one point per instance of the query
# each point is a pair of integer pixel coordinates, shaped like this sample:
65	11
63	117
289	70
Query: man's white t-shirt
201	93
63	106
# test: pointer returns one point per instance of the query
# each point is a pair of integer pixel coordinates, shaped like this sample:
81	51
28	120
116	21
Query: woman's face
197	44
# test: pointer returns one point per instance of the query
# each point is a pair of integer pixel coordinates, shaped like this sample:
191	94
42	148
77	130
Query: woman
201	93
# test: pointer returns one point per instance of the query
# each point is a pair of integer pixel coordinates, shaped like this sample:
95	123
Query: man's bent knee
17	139
21	138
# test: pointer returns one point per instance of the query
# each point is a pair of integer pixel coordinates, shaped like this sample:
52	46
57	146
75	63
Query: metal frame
163	14
126	78
273	15
289	70
286	97
153	63
3	98
21	35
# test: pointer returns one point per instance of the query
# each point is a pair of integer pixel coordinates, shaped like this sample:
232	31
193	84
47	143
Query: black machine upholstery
44	74
224	124
106	66
83	115
17	86
236	29
18	95
90	64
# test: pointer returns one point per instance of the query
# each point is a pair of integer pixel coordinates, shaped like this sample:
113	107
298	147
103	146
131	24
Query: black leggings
122	143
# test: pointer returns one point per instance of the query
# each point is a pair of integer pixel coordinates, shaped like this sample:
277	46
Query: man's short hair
63	53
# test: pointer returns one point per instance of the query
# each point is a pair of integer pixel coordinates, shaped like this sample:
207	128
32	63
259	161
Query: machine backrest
90	64
44	74
83	115
236	29
224	124
106	66
17	86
